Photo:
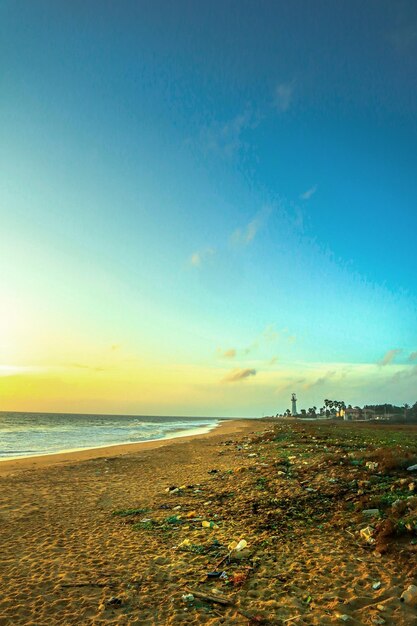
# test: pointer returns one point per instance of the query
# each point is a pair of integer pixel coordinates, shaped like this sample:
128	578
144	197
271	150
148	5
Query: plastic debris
187	597
370	513
218	574
367	534
412	468
377	585
238	578
409	596
113	601
238	546
206	524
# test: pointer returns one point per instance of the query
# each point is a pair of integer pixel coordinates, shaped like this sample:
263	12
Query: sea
34	434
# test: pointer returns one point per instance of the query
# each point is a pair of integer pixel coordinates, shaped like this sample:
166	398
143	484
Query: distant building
356	413
293	405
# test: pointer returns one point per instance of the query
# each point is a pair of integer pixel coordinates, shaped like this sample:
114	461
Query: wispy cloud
389	356
310	192
226	138
93	368
197	258
270	333
413	356
405	374
284	93
227	354
17	370
268	336
238	375
322	380
244	236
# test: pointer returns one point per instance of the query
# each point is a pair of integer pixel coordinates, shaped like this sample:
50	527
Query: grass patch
127	512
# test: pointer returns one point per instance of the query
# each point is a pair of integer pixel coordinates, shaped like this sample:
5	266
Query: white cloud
226	138
244	236
284	96
16	370
227	354
199	256
238	375
310	192
389	356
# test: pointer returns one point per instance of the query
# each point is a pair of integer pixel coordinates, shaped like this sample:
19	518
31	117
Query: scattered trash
367	534
412	468
187	597
206	524
238	578
409	596
399	506
412	502
275	496
371	513
219	574
238	546
113	601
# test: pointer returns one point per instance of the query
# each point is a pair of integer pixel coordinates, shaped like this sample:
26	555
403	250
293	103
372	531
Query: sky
207	206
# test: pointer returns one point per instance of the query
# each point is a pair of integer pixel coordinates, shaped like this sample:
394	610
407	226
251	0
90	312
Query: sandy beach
68	559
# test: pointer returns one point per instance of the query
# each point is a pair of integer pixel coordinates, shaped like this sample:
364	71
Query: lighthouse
293	405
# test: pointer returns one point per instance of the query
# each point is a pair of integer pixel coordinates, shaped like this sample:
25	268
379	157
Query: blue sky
221	194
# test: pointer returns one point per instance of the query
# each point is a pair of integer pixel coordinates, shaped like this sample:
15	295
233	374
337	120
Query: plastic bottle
409	596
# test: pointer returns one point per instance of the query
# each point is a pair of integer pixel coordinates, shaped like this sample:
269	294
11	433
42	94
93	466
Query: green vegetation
128	512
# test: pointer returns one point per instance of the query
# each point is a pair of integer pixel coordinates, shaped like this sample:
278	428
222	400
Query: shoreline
179	433
8	466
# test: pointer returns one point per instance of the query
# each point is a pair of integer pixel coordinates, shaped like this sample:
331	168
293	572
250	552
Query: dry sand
64	556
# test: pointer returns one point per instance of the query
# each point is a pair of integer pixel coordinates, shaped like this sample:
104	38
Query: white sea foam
36	434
